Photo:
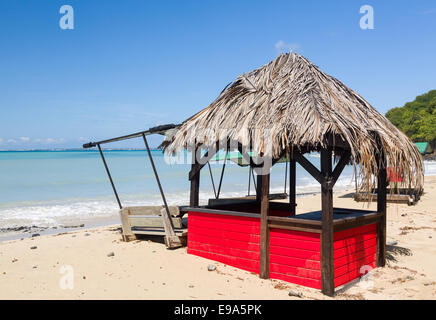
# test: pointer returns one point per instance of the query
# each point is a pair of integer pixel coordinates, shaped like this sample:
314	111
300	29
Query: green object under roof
422	147
237	158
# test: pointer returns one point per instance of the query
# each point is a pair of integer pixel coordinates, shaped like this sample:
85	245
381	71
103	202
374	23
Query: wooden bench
409	197
148	220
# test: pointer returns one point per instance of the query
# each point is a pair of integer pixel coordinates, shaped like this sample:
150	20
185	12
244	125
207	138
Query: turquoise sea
53	188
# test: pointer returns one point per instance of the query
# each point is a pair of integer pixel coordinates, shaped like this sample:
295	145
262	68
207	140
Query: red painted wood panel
294	255
231	240
355	231
224	250
297	235
357	264
244	264
243	245
354	249
222	225
223	218
253	238
294	262
350	276
295	271
307	282
297	244
352	241
351	249
339	262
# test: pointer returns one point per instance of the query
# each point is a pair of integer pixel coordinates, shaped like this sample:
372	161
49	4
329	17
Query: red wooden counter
233	238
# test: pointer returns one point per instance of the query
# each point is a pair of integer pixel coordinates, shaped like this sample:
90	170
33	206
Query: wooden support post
292	184
195	181
308	166
327	262
264	230
259	188
381	208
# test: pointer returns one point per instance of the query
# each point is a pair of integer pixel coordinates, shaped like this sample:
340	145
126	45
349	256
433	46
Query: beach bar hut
289	107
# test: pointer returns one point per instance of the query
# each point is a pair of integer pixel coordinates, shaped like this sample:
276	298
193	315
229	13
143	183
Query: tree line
417	119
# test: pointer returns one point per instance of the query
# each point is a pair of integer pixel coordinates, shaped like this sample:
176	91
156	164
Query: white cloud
49	140
1	140
12	141
25	139
284	47
429	11
55	141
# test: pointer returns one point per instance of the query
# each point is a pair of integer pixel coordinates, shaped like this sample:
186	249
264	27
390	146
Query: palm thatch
300	106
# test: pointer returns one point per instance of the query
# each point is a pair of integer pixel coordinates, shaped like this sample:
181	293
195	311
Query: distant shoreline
77	149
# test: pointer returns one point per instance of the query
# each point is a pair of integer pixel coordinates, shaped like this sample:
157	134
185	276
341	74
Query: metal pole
211	178
286	175
254	180
222	175
249	180
157	176
109	175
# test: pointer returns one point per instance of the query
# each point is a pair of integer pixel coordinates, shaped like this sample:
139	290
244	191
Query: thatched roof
300	106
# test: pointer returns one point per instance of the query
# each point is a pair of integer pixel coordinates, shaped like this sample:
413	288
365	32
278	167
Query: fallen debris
295	294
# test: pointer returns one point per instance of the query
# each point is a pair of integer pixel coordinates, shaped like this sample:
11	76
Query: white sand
147	270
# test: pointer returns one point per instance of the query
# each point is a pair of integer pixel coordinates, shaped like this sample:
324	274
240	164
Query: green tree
417	119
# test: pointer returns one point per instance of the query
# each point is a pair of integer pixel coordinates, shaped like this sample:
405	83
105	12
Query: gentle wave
76	211
53	189
430	168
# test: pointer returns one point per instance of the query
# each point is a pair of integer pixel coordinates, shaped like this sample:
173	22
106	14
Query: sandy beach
96	264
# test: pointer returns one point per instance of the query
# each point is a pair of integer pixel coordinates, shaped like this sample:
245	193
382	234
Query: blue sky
129	65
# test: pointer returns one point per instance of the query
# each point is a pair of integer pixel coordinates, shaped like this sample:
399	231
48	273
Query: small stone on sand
211	267
295	294
111	254
33	247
